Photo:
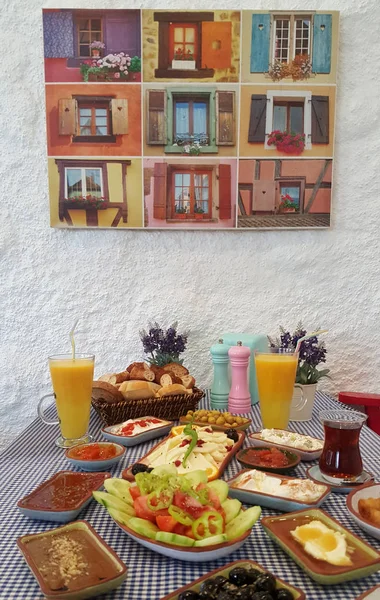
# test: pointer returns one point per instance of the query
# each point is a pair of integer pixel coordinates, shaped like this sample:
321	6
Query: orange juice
275	375
72	385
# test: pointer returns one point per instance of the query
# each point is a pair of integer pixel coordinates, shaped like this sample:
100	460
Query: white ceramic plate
370	491
315	474
271	501
305	455
139	438
192	554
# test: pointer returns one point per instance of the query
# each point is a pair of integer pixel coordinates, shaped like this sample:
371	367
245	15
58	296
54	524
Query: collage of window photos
212	119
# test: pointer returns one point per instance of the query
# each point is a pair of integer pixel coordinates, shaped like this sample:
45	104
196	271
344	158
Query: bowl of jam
268	458
96	456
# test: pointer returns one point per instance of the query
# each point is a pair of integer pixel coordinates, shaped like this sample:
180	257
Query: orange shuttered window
216	44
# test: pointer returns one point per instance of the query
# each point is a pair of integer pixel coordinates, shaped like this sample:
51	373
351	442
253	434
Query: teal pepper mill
254	342
220	388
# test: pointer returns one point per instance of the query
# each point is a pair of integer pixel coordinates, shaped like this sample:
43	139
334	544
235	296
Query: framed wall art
212	119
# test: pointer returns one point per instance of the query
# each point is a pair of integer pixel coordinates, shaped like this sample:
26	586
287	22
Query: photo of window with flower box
92	45
284	193
295	46
188	121
191	45
190	193
287	121
101	192
92	120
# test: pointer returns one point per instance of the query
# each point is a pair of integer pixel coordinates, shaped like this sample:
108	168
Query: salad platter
185	517
192	448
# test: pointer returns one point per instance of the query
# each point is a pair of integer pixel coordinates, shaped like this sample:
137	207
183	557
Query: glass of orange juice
276	374
72	384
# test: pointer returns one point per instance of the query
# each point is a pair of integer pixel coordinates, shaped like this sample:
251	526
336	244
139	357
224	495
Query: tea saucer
315	474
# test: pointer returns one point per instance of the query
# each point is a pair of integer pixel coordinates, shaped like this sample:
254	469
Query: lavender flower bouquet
311	354
163	346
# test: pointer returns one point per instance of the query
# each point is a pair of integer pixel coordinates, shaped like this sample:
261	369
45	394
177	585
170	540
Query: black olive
245	593
140	468
265	583
226	595
284	594
253	574
188	595
239	576
232	434
221	581
209	590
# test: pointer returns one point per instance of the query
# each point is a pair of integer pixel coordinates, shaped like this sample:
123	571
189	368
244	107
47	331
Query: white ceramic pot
183	65
305	411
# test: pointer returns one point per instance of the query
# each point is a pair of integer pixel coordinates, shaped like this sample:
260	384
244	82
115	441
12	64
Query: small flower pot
288	210
184	65
95	53
198	216
180	215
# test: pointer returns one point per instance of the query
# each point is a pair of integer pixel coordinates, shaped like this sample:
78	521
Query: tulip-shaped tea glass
340	461
276	374
72	384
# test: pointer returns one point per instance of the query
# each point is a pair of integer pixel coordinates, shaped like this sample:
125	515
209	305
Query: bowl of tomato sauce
96	456
268	458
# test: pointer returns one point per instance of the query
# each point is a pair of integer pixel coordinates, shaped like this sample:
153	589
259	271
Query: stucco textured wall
210	281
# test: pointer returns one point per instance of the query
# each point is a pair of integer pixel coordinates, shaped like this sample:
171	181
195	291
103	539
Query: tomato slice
166	523
134	491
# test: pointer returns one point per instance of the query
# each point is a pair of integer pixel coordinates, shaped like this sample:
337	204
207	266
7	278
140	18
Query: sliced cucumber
119	488
174	538
212	541
120	516
110	501
220	487
243	522
196	477
161	470
143	527
231	508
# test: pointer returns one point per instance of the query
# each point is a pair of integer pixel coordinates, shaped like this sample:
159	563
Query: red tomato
213	496
144	512
189	504
134	491
166	523
180	529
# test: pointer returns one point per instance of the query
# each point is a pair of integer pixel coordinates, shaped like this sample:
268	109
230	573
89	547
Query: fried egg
323	543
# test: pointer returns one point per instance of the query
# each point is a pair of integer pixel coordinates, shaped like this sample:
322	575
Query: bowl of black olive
240	580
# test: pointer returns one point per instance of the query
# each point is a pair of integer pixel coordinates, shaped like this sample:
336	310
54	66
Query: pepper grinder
221	385
239	399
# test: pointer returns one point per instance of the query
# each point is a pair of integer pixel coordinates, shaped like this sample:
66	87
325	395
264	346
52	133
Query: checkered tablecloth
33	458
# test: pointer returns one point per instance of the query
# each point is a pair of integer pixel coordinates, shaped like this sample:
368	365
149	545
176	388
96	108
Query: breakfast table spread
33	458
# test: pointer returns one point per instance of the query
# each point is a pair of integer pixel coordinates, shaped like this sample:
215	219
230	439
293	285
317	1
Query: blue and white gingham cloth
33	458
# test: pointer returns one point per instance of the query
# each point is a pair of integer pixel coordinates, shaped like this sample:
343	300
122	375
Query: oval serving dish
224	571
252	458
107	573
112	434
73	455
306	455
62	497
275	500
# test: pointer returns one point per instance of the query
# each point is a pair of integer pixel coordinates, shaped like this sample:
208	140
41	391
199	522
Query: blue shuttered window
260	40
58	34
322	35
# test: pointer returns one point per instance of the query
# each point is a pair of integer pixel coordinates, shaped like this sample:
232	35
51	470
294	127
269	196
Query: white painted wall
244	281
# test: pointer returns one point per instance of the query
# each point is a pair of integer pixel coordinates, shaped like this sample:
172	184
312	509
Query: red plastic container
371	403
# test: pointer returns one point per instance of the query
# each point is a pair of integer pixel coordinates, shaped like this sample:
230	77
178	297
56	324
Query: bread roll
177	369
158	373
136	389
169	379
171	390
134	364
109	378
143	373
123	376
102	390
188	381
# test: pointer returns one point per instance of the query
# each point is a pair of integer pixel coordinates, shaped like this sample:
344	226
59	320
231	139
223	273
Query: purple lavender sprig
311	353
163	346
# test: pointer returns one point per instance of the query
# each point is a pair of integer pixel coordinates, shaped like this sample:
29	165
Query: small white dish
305	455
275	502
144	436
369	491
315	474
95	464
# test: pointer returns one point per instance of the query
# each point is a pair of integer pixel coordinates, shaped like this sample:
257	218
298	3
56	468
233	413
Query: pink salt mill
239	399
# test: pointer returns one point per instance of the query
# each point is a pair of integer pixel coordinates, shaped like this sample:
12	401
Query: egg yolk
326	541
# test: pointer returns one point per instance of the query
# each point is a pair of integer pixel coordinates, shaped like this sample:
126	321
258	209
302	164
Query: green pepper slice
179	515
188	430
158	500
210	523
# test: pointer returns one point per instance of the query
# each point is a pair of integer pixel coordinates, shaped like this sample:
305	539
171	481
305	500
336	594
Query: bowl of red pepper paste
268	458
97	456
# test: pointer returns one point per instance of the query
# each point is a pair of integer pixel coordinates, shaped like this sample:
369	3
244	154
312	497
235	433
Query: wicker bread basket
167	407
